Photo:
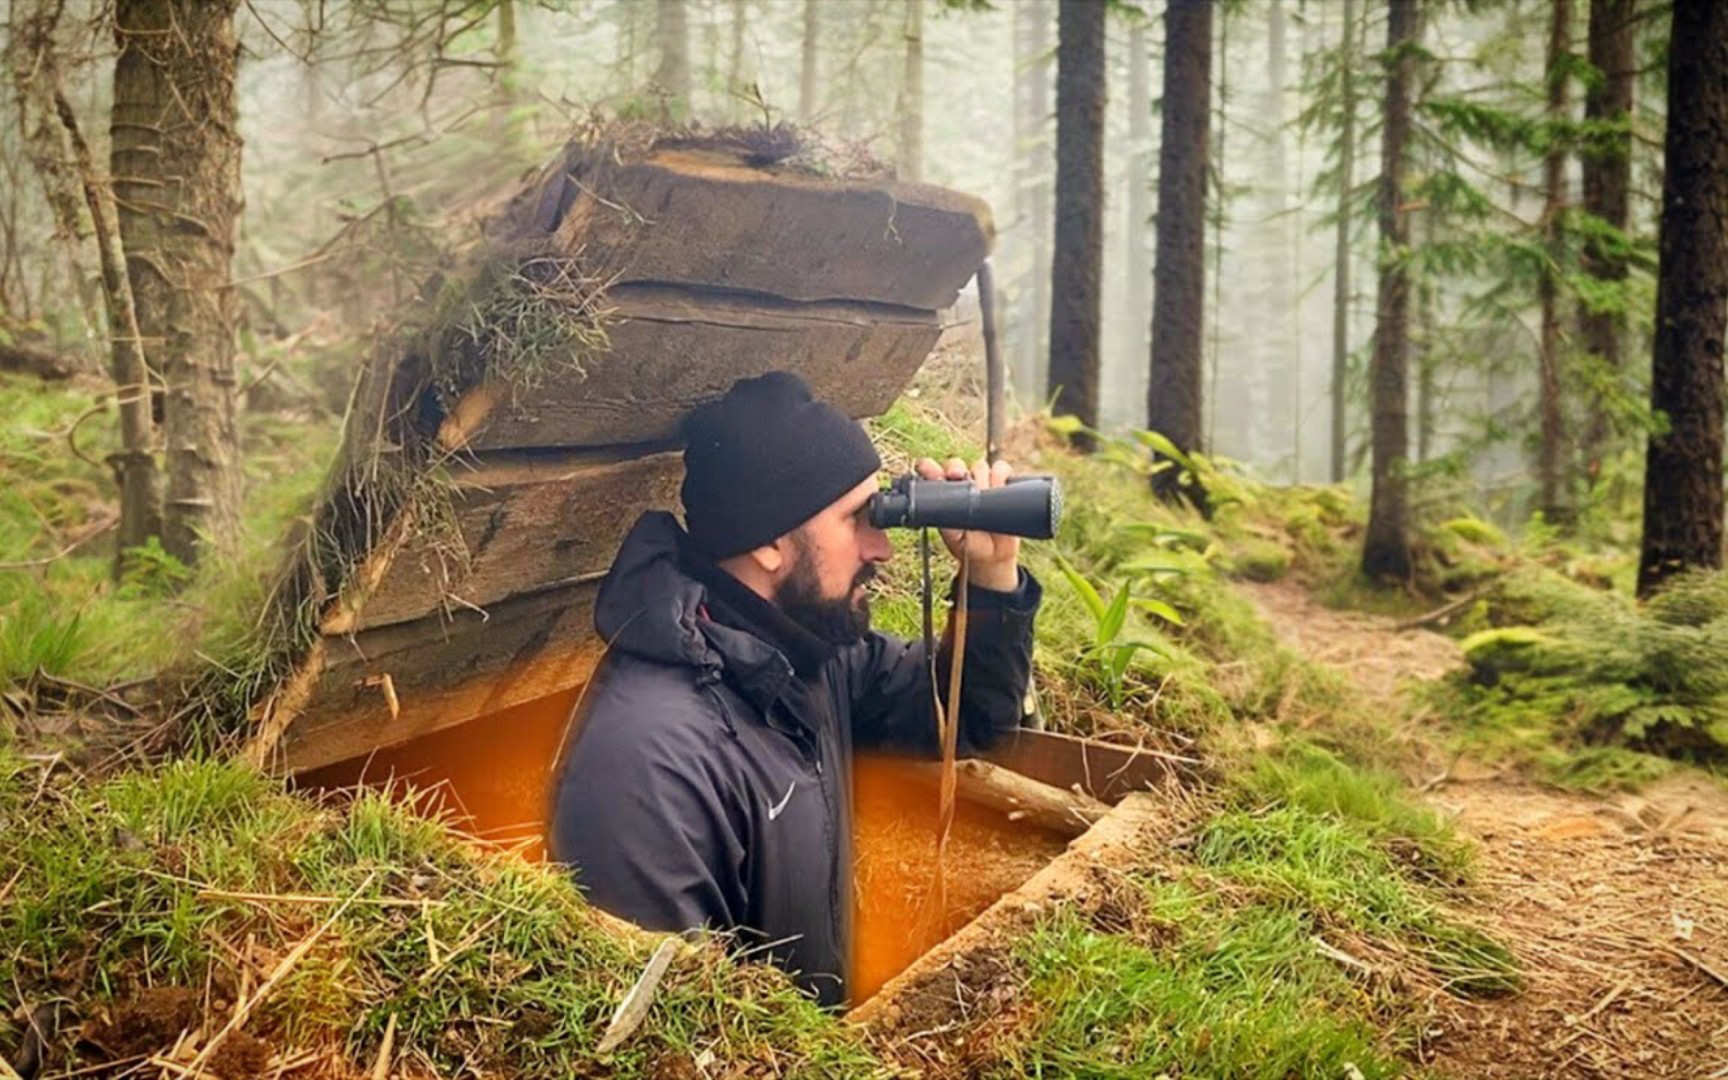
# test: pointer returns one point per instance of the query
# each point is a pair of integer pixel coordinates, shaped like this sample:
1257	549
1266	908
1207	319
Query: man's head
775	489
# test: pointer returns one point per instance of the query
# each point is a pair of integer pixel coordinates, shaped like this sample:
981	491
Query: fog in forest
371	126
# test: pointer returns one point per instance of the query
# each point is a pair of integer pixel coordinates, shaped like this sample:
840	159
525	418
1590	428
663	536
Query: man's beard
838	621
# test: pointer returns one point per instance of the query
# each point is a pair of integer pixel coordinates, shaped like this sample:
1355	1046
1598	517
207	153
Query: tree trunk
1032	46
1427	329
1386	551
1683	469
175	160
60	154
909	154
807	72
1077	264
1139	185
1551	457
1341	246
1173	395
35	73
735	65
672	77
1607	175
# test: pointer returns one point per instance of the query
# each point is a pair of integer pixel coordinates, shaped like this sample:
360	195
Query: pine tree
1077	262
1033	152
1683	468
1551	454
1606	157
809	56
1174	392
909	154
672	77
1386	551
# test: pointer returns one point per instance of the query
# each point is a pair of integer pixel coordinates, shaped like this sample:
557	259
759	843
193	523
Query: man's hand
993	557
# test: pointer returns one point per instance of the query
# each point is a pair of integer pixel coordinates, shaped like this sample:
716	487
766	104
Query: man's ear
770	557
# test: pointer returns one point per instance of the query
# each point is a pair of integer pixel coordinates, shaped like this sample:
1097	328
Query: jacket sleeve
892	706
651	830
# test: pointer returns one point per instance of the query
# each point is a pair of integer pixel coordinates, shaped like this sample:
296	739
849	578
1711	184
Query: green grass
1228	992
1223	970
66	616
481	958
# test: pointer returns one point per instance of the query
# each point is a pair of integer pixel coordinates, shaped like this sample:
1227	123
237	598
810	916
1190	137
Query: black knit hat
762	461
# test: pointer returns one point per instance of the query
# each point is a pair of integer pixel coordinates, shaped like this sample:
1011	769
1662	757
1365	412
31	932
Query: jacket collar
653	605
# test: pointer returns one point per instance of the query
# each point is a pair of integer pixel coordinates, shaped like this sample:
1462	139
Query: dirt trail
1616	905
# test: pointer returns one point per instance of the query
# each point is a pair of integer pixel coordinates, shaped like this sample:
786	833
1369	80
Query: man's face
833	556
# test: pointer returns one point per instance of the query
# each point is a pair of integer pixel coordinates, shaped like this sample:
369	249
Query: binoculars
1029	506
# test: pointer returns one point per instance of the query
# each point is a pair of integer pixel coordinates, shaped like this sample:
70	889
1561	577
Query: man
709	781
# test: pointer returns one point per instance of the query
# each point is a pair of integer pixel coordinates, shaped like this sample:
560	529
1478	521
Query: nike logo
774	811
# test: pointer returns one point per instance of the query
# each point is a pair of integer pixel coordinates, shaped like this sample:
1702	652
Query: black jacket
709	780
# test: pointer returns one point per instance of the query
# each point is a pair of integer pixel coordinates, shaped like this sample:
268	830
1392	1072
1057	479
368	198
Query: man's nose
876	547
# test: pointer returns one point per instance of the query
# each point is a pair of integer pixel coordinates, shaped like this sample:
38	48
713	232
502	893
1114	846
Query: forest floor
1616	904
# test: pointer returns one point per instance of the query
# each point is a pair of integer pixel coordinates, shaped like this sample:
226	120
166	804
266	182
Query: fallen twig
1696	963
381	1067
1438	615
634	1008
1333	952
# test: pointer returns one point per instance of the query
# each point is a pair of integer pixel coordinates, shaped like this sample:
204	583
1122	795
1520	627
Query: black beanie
762	461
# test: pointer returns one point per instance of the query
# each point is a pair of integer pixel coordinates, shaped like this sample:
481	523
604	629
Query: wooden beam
520	523
442	673
708	218
672	349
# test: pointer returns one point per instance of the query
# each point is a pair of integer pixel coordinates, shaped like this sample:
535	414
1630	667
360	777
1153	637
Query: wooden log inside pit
386	686
707	217
1066	813
519	524
1105	771
672	349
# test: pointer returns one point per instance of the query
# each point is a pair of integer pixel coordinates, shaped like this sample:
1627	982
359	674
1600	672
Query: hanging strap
947	715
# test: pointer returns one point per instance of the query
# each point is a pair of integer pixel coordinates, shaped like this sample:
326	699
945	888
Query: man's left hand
993	558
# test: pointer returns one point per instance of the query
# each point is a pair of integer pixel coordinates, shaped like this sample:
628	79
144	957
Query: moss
1590	684
1259	560
1475	531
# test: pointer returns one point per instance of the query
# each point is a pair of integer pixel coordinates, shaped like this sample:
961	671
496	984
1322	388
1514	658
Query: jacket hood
651	608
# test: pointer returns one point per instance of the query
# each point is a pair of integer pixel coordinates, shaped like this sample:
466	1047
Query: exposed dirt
897	918
1617	905
945	1016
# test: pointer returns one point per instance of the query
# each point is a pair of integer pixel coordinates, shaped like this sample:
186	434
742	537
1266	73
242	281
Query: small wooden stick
1698	965
634	1008
381	1067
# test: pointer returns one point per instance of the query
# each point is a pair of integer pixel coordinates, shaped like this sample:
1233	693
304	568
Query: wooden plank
442	673
672	349
705	217
1103	770
521	523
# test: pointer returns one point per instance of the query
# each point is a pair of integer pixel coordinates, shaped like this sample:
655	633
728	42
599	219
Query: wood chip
634	1008
381	1067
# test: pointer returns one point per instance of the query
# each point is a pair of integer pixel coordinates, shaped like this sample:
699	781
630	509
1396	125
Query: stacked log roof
483	489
